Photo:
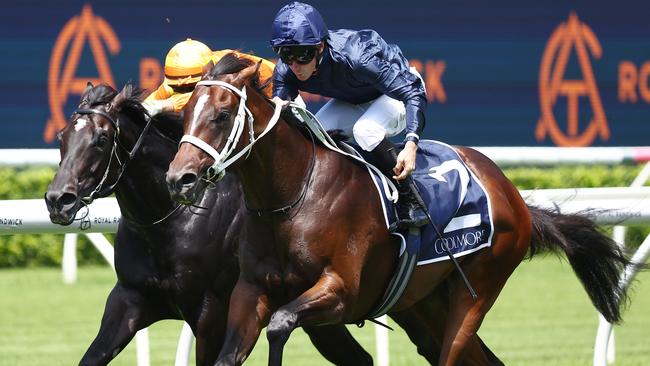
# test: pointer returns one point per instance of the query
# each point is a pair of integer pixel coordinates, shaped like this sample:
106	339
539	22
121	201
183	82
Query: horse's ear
89	86
84	95
258	66
206	69
248	73
123	95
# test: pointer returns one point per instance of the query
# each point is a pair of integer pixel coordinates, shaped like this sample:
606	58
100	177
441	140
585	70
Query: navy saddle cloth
456	199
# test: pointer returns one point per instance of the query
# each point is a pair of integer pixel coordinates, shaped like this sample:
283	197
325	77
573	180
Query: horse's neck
141	192
278	167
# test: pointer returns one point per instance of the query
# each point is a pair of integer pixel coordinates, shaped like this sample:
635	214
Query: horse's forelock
233	64
229	64
100	94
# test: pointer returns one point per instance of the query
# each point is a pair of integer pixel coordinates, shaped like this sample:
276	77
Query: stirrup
414	217
417	217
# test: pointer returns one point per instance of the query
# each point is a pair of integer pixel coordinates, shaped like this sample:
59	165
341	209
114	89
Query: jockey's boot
409	211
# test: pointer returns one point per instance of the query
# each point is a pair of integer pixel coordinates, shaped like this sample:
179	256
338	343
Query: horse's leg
487	271
428	319
126	312
248	313
321	304
337	345
421	336
425	323
210	329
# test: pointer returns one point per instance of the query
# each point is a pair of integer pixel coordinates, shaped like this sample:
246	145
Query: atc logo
572	35
62	81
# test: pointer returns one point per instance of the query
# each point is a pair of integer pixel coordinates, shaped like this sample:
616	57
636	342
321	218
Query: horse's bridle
100	190
222	159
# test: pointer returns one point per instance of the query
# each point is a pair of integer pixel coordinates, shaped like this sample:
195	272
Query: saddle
455	198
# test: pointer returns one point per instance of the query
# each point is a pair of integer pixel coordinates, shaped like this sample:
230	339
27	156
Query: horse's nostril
187	179
67	199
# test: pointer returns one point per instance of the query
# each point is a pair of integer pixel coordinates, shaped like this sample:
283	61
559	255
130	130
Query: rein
100	191
222	159
285	209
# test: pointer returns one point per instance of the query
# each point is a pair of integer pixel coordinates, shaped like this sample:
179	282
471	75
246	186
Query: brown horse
170	263
315	248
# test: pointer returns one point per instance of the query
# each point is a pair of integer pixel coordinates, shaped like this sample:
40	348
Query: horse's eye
102	140
223	116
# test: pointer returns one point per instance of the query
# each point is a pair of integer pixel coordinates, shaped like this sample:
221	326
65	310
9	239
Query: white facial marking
199	107
81	123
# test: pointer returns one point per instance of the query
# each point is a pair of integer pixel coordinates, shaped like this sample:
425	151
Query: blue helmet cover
298	24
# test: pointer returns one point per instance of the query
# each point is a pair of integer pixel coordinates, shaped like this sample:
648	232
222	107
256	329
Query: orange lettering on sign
432	75
627	74
644	91
62	81
569	35
417	64
433	80
151	74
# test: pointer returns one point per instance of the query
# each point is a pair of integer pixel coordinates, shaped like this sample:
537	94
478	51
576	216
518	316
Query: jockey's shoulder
356	45
163	92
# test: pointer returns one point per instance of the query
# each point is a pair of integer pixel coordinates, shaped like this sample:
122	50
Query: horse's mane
230	63
168	125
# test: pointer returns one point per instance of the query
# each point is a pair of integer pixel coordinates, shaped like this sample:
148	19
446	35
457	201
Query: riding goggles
300	54
185	88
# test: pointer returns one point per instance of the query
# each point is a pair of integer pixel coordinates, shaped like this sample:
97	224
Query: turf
543	317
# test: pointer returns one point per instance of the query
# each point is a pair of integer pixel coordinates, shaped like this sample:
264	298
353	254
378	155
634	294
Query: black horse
172	262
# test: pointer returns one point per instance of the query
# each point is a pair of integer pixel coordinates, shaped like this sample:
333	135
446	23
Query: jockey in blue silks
374	92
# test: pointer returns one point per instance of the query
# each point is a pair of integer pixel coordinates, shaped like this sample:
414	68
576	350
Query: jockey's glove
154	107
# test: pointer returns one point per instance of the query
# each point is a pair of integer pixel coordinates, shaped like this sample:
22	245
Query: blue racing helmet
298	24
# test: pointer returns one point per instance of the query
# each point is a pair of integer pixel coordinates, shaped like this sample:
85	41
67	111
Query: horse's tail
595	258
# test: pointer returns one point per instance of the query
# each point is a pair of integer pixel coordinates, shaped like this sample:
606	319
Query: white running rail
502	155
622	206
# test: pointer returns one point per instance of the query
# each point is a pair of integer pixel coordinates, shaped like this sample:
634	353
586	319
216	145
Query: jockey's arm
284	87
408	88
159	101
405	161
414	125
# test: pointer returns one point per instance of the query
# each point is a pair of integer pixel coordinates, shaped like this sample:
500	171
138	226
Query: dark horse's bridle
101	191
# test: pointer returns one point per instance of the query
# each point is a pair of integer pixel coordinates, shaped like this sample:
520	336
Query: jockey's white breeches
369	122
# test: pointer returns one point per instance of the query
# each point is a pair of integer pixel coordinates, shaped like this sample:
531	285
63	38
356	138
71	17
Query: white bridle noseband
222	159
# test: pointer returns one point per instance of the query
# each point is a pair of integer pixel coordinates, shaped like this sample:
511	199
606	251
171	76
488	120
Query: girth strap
407	262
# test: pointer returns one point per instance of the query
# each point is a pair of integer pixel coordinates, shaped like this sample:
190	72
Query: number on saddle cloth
457	202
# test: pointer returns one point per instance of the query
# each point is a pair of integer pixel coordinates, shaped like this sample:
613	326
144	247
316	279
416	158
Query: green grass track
543	317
